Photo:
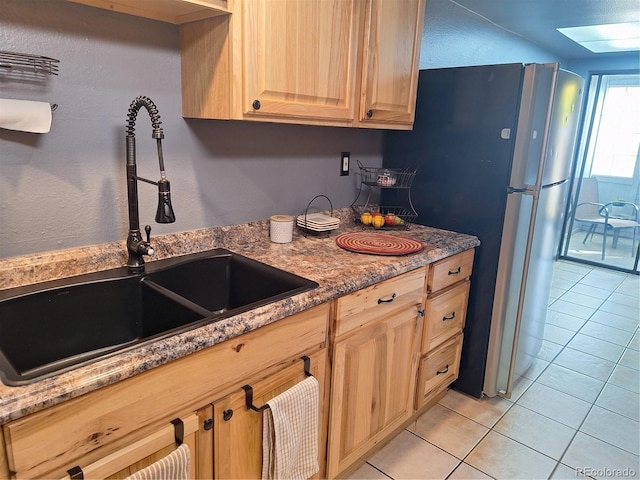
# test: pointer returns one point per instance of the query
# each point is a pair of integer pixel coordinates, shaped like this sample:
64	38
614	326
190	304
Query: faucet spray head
164	213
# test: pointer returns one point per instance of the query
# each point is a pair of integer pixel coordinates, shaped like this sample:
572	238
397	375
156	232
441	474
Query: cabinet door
373	383
147	448
196	442
390	64
238	430
300	58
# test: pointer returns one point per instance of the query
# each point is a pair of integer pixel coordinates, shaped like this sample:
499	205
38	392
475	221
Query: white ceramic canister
281	228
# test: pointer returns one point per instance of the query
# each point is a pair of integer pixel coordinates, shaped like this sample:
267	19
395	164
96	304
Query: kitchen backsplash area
52	265
67	188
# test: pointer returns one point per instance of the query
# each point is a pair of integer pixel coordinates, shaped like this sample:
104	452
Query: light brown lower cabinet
381	355
112	426
445	316
238	429
373	387
374	368
155	446
396	350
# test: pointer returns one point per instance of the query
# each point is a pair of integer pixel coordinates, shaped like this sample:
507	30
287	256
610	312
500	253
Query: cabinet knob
256	105
369	113
227	414
454	272
442	372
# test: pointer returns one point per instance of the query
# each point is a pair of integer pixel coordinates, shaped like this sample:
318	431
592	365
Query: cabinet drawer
438	369
445	315
374	302
450	270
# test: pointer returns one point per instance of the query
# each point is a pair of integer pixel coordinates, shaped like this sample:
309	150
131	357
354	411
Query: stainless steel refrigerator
493	146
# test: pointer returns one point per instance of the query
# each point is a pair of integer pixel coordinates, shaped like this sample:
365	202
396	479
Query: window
613	148
607	176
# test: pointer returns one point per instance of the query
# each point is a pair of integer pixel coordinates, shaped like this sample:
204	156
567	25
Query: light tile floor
574	415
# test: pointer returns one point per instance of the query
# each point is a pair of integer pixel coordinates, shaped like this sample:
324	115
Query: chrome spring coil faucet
136	246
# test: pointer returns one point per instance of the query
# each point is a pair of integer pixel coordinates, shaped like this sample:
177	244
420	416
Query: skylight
612	37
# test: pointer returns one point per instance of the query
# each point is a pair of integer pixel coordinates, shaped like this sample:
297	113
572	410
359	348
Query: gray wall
618	62
454	37
67	188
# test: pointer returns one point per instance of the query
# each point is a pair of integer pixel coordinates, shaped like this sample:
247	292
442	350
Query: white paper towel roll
25	115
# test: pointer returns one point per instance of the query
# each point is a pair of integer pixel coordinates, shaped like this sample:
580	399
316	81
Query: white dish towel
174	466
290	433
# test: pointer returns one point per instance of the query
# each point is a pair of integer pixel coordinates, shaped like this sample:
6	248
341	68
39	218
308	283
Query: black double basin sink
60	325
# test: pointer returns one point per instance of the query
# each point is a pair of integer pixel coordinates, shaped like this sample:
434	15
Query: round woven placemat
378	243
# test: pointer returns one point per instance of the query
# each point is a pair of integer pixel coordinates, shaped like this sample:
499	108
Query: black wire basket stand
386	191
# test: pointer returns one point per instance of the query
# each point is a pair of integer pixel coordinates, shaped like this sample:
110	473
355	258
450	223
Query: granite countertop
317	258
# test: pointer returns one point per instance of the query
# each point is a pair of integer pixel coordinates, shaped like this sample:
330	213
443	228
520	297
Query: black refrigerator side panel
462	145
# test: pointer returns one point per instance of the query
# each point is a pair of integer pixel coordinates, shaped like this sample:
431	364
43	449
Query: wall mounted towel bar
248	389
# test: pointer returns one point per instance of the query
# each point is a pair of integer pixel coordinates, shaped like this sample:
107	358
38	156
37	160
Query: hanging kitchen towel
24	115
290	433
174	466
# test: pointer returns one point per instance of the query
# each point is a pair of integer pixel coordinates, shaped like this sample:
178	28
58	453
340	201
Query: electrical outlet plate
344	163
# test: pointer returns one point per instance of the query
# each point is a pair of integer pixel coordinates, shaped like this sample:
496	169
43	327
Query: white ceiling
537	20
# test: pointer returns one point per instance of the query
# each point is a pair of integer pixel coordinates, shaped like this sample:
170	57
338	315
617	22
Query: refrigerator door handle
518	319
555	184
526	190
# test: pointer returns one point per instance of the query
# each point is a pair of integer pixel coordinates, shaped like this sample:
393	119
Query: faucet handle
148	249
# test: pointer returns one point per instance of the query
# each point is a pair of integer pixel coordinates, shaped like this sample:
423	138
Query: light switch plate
344	163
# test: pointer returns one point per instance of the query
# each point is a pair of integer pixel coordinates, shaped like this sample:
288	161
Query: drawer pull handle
450	317
393	297
454	272
442	372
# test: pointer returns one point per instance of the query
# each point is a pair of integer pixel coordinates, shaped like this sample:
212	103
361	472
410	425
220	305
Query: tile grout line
535	381
593	404
461	461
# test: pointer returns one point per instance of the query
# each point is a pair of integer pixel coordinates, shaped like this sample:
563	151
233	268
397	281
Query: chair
590	210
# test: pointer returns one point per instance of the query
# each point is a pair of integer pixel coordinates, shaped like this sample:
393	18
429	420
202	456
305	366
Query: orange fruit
378	221
366	218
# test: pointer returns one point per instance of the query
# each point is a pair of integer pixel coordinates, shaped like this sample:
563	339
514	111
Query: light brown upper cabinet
300	58
391	58
317	62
